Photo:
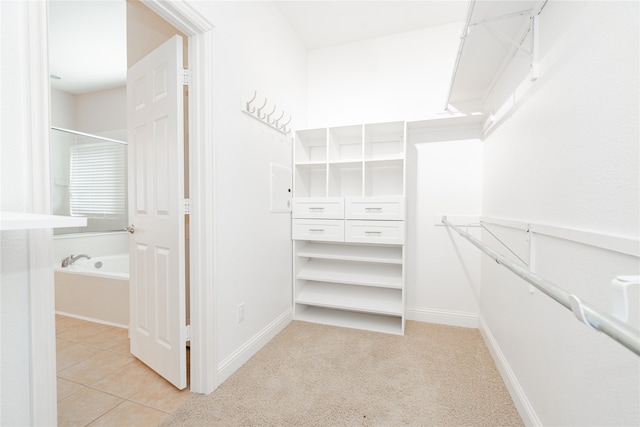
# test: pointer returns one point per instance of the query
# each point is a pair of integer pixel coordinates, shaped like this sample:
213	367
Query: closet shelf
312	163
376	254
395	158
368	275
494	32
350	319
354	298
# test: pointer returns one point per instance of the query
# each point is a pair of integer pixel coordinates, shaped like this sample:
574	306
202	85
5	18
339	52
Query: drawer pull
373	209
373	232
316	230
316	209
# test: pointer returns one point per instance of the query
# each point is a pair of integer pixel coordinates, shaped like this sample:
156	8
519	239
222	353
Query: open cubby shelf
360	160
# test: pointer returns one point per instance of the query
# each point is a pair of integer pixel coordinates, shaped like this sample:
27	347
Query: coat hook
249	109
268	118
277	121
260	115
285	129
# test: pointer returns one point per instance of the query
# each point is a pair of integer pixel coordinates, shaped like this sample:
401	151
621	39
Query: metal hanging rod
586	313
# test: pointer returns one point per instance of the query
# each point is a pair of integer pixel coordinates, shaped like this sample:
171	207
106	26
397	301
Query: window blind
97	182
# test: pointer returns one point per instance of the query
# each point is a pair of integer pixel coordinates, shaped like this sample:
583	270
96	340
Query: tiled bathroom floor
101	384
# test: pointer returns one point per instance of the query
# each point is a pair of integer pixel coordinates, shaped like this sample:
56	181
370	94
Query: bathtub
95	289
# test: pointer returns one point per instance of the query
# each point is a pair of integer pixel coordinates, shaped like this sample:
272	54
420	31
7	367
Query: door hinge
188	332
185	76
187	206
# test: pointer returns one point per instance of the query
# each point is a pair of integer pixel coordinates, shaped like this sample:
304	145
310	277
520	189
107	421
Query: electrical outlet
240	313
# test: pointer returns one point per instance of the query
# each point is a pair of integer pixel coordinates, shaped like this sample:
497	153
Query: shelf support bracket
506	38
534	48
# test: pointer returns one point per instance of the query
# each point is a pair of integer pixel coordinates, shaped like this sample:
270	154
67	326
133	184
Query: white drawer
384	232
382	208
329	230
316	207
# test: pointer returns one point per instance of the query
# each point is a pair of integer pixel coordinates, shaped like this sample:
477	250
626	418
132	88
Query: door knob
130	229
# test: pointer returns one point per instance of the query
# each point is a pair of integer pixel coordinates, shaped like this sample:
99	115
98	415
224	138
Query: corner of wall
243	353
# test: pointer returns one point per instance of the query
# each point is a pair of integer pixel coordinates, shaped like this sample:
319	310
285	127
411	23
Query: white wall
444	281
255	49
400	77
568	155
103	113
63	109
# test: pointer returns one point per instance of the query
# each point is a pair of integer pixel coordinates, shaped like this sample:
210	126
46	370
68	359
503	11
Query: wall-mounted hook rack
260	113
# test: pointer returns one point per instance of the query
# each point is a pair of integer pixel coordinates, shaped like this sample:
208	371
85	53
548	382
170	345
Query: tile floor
101	384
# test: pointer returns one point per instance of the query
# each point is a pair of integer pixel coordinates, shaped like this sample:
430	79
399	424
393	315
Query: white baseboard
92	319
239	357
524	407
442	317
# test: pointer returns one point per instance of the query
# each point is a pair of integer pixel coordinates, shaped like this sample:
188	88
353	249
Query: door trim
202	222
35	129
36	125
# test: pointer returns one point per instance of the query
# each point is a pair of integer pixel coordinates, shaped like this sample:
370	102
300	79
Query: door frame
36	125
201	188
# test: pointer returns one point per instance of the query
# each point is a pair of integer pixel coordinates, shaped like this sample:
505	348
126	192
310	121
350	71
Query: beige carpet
316	375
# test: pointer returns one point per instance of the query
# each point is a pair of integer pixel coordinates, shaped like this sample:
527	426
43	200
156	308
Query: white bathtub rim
79	268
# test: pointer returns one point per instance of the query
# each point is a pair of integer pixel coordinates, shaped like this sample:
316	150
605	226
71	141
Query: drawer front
376	208
328	230
328	208
381	232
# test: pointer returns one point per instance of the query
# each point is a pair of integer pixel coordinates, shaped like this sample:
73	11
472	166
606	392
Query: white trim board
622	244
94	320
239	357
525	409
442	317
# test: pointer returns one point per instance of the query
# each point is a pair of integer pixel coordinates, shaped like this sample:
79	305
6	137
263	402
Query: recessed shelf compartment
350	319
384	141
311	146
345	179
345	252
354	298
311	180
352	273
384	178
345	143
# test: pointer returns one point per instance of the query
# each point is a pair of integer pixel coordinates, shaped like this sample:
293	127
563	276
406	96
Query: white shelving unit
496	35
348	226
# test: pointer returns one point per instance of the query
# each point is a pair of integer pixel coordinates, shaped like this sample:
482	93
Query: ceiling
87	44
87	39
327	23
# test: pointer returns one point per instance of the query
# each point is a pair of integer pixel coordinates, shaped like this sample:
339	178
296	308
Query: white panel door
156	211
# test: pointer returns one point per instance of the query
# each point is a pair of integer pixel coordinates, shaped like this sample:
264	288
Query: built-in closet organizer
349	226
